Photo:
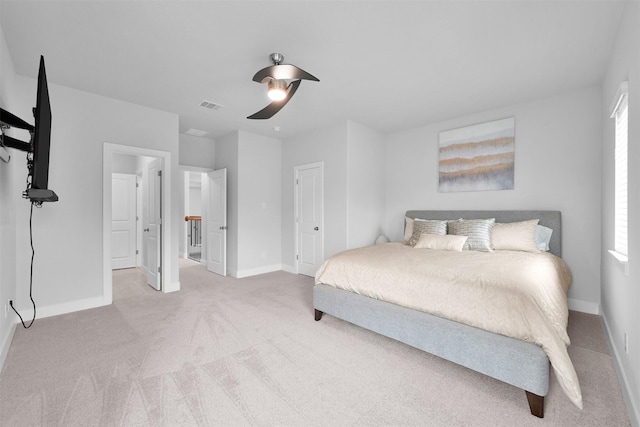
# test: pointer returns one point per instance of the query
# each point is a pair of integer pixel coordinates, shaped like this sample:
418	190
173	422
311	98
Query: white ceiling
390	65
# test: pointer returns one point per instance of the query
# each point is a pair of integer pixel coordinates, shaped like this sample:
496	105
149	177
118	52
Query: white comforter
518	294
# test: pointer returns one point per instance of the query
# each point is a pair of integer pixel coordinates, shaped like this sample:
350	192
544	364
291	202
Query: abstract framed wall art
478	157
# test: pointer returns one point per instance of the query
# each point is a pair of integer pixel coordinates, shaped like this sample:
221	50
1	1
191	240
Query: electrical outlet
626	343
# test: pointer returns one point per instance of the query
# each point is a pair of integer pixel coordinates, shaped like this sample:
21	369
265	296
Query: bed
523	362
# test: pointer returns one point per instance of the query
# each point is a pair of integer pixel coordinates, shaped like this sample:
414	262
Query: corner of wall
633	408
6	343
584	306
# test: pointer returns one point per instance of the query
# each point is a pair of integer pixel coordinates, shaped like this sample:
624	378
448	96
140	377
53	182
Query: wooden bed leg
318	315
536	404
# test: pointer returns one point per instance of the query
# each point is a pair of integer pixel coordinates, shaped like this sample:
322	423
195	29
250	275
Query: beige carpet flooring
236	352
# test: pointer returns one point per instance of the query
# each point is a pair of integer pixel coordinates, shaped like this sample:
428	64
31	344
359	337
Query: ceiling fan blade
283	72
271	109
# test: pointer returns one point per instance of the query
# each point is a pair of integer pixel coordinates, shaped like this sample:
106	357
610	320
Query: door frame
107	159
296	171
152	171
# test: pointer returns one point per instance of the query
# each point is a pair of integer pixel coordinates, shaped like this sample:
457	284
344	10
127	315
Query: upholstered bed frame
516	362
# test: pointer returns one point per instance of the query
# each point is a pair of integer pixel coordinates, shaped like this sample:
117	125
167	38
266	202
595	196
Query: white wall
620	293
68	236
195	201
196	151
9	189
328	145
557	167
253	202
366	174
124	163
259	204
226	156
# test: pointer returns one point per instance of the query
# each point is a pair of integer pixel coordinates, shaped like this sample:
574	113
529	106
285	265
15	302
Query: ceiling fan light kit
278	90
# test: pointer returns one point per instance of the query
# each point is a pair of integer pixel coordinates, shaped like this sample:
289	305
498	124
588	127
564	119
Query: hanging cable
33	253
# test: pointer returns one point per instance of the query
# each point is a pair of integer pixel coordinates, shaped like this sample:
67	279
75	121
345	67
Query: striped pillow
478	231
426	226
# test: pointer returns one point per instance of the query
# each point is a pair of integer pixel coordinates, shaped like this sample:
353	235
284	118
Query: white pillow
445	242
408	228
542	236
514	236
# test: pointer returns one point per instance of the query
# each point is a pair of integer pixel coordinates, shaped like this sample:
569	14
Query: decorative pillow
542	236
478	231
408	228
442	242
429	226
515	236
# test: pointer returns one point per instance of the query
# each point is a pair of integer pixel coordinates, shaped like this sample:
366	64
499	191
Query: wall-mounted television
42	136
39	191
39	145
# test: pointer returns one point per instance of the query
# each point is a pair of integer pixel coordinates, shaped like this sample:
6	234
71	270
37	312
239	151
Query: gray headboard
551	219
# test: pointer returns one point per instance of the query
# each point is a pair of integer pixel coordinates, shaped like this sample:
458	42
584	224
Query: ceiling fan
278	89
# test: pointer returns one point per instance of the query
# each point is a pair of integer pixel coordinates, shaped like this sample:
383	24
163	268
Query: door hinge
296	257
160	270
159	173
297	182
137	185
137	252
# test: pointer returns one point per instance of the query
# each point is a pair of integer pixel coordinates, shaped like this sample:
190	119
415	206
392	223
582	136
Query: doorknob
316	228
146	230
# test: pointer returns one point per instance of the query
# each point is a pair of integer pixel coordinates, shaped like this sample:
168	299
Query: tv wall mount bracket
7	121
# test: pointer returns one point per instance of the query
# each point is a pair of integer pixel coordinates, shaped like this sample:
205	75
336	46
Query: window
619	112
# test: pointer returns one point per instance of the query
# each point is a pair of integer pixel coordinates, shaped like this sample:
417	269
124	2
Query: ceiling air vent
211	105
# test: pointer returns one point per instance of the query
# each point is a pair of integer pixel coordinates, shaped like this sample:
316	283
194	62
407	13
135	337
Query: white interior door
145	220
123	221
215	217
309	218
154	228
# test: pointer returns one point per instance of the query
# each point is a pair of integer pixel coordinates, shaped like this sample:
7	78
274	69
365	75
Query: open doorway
155	233
203	234
193	211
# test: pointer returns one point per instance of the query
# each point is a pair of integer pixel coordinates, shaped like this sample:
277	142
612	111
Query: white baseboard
6	343
583	306
260	270
289	268
47	311
631	401
64	308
